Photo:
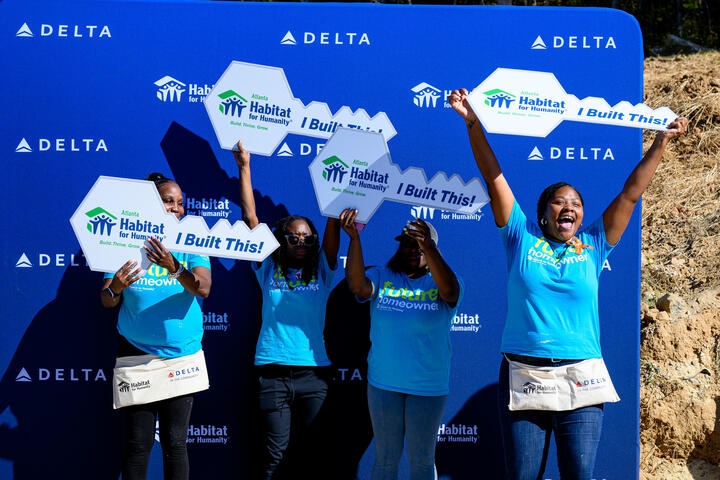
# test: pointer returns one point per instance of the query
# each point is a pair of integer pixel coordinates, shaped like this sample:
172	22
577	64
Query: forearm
195	281
444	277
640	178
107	300
355	270
331	241
247	199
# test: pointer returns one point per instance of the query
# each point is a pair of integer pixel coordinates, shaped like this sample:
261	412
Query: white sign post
254	103
354	170
117	216
529	103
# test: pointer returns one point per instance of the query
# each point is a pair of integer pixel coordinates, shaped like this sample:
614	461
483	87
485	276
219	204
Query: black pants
290	399
173	416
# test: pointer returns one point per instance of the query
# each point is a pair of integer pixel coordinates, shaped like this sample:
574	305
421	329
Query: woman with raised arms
551	339
295	281
413	301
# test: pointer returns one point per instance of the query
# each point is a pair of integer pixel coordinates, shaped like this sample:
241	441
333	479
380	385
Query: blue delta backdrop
82	95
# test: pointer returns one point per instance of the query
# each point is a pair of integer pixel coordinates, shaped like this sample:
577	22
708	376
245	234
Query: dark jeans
526	434
173	416
290	398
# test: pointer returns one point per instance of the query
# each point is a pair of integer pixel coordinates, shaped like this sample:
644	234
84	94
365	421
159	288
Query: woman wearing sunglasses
413	301
295	281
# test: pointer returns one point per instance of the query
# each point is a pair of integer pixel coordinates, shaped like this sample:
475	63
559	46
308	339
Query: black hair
280	256
159	179
547	194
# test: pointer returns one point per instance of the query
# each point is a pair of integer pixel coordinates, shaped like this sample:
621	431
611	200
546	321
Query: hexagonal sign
354	170
525	102
254	103
118	215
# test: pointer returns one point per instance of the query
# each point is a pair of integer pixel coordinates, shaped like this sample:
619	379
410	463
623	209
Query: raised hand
242	156
674	129
419	230
458	101
347	222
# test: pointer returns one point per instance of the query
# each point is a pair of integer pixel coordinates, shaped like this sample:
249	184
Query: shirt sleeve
261	270
326	273
373	274
512	233
198	261
107	275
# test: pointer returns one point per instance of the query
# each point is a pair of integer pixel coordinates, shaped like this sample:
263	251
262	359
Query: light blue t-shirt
159	316
552	291
293	320
410	334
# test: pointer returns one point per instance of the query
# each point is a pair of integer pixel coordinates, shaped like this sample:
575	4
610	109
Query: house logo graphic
169	89
535	154
23	147
100	221
426	213
425	95
23	376
498	98
288	39
23	262
538	44
123	386
24	31
232	103
335	169
285	151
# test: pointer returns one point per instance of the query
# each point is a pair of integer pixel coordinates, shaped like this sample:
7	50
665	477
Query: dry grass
681	214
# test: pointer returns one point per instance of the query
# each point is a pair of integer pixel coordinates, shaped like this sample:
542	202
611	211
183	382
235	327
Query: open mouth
565	222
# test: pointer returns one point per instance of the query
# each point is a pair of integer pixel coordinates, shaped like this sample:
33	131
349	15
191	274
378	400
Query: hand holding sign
524	102
354	170
120	216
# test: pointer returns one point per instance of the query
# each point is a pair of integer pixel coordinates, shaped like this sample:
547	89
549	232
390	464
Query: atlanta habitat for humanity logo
232	103
170	89
498	98
335	169
100	221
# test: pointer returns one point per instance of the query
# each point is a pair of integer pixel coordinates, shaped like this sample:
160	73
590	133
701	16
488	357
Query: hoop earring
543	221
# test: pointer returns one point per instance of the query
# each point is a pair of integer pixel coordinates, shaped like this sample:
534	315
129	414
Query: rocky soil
680	339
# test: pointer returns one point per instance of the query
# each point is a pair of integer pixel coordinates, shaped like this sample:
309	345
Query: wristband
177	273
112	294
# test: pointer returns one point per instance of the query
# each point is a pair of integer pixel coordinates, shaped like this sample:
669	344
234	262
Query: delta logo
574	42
63	145
184	373
232	103
335	169
100	221
327	38
52	260
79	375
65	31
573	153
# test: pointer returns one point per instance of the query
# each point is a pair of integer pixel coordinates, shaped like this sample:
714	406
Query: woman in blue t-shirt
413	302
159	316
552	377
290	355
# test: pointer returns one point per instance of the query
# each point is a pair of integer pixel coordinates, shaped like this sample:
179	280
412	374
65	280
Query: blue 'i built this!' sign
119	89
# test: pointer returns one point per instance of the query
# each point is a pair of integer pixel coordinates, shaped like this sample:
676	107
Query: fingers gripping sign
128	274
161	256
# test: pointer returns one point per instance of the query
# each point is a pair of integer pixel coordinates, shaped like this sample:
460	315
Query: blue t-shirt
293	320
410	334
552	291
159	316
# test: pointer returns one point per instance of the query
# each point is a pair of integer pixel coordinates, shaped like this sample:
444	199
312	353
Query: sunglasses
308	240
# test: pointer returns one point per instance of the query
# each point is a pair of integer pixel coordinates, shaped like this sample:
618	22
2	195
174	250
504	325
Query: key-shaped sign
525	102
118	215
354	170
254	103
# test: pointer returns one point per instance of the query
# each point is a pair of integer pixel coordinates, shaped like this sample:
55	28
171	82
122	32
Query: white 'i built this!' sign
525	102
118	215
354	170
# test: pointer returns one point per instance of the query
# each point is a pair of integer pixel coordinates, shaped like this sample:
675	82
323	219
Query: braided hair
159	179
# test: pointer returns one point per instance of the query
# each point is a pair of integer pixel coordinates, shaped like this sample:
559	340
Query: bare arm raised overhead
618	213
501	197
247	200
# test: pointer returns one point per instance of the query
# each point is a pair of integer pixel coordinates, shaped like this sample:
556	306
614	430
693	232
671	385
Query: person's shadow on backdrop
58	387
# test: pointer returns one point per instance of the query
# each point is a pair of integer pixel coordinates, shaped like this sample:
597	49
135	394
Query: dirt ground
680	337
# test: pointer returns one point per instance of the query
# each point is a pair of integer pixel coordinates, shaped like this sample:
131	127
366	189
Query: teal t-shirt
293	319
552	291
159	316
410	334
